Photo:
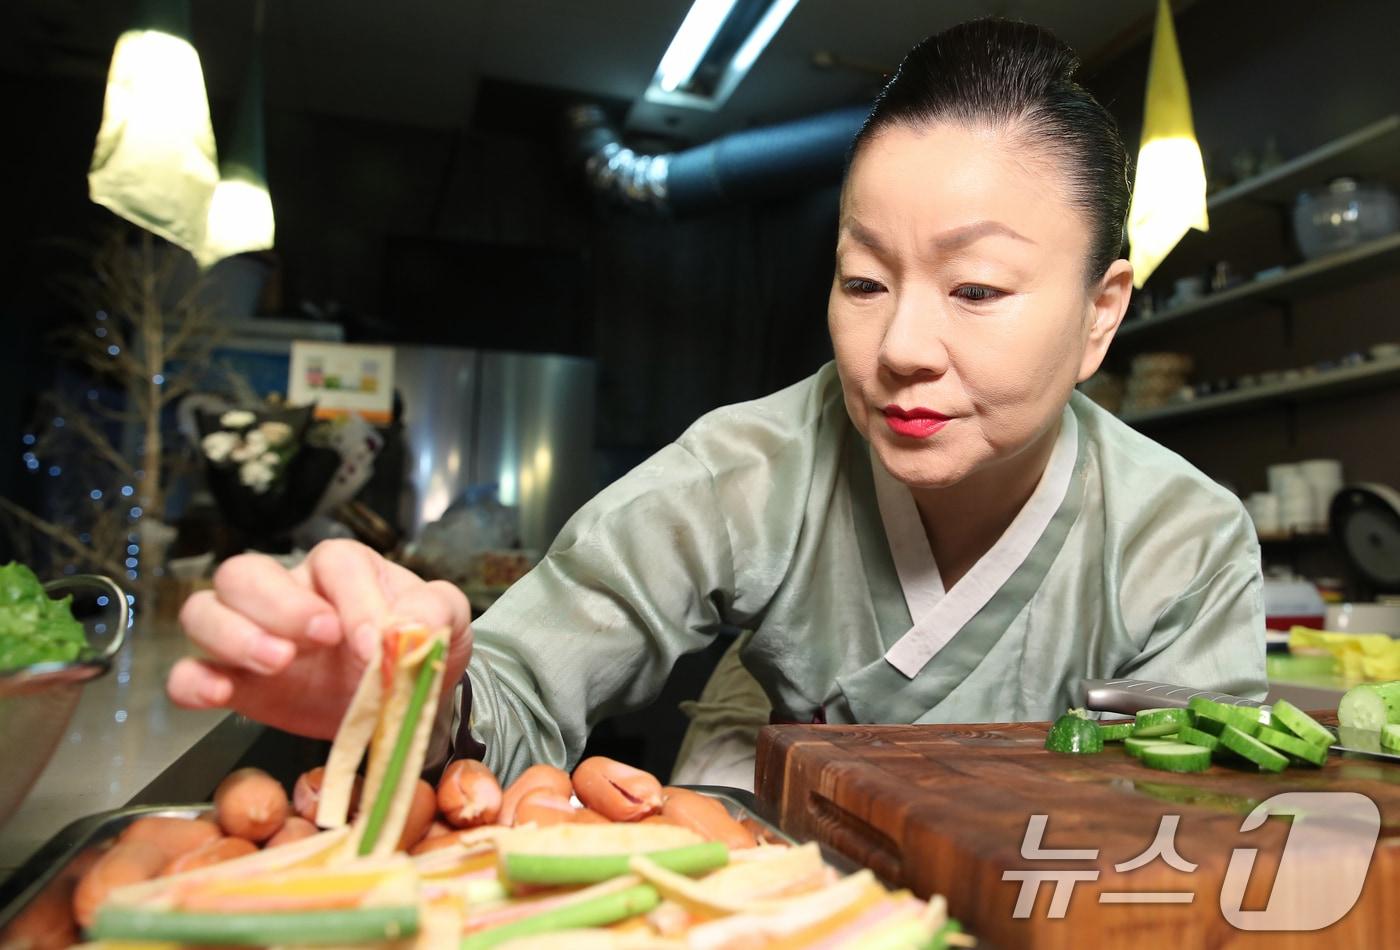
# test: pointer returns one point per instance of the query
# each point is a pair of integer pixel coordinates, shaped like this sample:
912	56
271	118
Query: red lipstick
916	423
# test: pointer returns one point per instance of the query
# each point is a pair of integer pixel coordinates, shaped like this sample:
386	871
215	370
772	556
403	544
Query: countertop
127	744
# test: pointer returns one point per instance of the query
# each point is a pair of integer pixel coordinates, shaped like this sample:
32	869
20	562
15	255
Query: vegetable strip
394	772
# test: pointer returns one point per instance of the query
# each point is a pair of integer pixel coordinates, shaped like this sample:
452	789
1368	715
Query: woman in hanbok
935	527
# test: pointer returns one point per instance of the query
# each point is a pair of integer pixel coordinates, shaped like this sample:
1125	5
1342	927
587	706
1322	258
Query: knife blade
1130	696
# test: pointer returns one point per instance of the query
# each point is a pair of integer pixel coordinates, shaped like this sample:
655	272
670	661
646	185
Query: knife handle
1131	696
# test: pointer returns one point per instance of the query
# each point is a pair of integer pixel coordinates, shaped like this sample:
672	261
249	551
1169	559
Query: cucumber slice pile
1187	740
1300	724
1293	746
1176	757
1115	731
1248	747
1197	737
1151	723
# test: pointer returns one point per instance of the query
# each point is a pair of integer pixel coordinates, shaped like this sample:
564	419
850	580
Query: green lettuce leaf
33	627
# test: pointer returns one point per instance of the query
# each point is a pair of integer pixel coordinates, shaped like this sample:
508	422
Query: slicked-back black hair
1018	76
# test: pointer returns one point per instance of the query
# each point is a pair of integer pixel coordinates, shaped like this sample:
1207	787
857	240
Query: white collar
938	614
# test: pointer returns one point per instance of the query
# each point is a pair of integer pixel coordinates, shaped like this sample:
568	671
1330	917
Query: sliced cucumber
1176	757
1151	723
1305	727
1390	737
1136	745
1370	706
1114	731
1297	748
1244	718
1242	744
1193	736
1074	734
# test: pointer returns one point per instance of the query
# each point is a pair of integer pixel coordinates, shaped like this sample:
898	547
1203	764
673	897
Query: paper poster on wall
343	378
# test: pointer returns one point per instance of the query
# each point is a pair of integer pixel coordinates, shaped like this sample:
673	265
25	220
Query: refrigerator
473	419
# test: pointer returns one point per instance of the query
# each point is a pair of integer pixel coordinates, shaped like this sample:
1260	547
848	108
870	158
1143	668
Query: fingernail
363	641
271	654
323	629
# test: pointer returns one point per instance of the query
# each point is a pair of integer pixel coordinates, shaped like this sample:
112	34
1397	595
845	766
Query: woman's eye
859	285
977	293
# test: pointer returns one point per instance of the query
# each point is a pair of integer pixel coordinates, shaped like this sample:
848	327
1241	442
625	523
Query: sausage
251	804
544	806
294	829
469	794
587	816
46	923
706	817
128	862
174	836
615	790
306	794
436	830
421	812
535	777
213	852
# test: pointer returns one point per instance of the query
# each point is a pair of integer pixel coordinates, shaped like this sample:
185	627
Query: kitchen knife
1129	696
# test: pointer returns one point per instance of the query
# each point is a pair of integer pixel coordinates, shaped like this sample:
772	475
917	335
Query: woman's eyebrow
950	240
955	238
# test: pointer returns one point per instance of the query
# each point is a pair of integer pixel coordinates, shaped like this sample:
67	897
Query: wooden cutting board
944	809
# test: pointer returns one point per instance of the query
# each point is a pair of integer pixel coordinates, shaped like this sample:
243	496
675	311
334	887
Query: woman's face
959	312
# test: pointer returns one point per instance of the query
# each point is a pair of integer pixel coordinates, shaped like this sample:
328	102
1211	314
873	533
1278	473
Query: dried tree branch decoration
144	340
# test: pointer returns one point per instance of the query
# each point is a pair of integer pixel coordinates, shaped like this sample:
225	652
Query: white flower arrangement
260	450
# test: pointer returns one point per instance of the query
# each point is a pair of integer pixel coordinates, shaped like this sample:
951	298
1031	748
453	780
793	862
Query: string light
131	562
58	422
29	438
133	549
136	512
113	350
101	332
55	471
32	464
102	314
30	457
127	491
95	494
103	600
158	379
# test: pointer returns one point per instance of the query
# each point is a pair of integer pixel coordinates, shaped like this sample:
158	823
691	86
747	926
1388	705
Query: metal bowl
36	702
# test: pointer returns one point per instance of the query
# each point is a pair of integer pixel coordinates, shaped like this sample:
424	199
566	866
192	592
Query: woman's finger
353	578
269	595
195	684
230	637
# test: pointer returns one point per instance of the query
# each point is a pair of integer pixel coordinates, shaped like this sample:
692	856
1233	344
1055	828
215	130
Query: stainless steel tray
52	869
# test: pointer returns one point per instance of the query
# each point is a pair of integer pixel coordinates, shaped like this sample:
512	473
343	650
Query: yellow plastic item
1361	657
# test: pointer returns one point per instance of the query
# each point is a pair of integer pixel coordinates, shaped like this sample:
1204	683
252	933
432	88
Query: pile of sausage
252	810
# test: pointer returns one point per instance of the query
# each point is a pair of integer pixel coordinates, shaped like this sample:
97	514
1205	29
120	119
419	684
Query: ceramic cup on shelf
1324	478
1264	510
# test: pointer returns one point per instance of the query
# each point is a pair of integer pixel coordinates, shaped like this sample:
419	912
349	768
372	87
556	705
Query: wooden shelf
1371	152
1374	257
1379	374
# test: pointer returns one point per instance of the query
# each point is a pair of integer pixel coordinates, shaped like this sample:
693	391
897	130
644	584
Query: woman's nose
914	343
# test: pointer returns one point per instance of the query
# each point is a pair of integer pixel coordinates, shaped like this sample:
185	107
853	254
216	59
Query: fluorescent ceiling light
717	44
698	30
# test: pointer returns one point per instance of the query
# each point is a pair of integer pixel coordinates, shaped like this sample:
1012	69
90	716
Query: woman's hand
287	647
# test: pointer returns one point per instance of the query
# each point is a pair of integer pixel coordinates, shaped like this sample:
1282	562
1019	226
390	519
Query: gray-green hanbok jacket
773	516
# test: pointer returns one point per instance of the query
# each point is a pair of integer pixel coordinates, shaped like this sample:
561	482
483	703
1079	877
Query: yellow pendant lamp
1169	193
240	212
155	163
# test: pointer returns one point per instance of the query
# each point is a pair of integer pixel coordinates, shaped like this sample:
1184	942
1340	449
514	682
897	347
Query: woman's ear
1109	303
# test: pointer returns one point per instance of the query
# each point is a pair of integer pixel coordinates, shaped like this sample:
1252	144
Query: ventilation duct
767	162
